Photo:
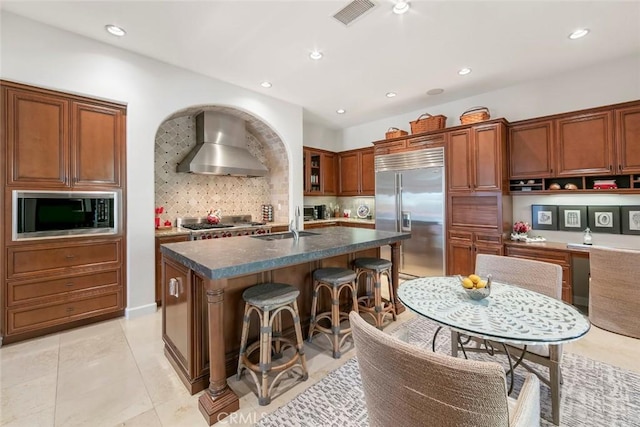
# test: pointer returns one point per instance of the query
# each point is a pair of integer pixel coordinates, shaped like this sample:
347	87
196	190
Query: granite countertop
221	258
171	231
341	219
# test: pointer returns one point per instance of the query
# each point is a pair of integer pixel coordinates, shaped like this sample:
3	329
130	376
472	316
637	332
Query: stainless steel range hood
221	148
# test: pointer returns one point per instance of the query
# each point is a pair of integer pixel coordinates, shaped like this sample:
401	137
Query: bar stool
335	280
269	300
373	303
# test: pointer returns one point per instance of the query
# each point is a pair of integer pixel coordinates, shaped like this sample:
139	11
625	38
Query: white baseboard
143	310
583	301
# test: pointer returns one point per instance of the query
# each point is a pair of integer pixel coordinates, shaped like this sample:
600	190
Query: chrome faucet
293	225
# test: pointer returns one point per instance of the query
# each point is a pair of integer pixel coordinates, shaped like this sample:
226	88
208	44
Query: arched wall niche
192	195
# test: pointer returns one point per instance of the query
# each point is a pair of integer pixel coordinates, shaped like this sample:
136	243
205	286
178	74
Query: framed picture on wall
604	219
630	219
544	217
572	218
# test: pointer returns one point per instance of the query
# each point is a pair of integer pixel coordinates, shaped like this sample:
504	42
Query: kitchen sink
282	236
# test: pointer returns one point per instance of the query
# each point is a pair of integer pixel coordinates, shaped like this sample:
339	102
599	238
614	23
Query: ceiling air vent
353	11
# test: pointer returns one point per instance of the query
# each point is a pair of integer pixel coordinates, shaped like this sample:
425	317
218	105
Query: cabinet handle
69	309
69	256
619	168
69	284
174	287
610	168
551	171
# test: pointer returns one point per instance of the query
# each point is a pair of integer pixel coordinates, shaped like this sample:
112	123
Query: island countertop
222	258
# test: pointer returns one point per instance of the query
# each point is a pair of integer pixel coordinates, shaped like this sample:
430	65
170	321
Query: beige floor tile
16	368
80	351
118	398
161	381
146	419
42	418
27	398
181	412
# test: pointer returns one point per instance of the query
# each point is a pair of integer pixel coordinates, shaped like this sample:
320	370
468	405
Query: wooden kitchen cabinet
56	140
530	150
319	172
561	258
357	175
628	139
463	246
476	158
584	144
50	285
160	240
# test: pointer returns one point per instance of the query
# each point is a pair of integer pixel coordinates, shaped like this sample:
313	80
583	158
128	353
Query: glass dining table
510	315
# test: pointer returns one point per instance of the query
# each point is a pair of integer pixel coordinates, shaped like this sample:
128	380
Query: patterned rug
594	394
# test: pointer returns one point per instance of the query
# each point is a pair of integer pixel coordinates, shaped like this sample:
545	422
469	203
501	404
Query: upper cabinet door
367	174
96	145
329	181
349	174
585	144
37	135
487	148
628	139
459	160
531	150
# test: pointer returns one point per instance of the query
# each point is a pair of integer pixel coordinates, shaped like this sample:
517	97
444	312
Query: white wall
608	83
318	136
40	55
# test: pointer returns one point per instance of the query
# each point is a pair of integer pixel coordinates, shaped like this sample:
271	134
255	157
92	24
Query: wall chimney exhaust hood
221	148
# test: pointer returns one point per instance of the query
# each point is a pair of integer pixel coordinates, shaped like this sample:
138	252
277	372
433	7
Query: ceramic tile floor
114	373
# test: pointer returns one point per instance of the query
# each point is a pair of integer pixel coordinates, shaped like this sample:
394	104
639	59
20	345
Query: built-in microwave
48	214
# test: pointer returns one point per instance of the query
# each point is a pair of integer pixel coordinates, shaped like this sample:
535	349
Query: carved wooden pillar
395	263
218	401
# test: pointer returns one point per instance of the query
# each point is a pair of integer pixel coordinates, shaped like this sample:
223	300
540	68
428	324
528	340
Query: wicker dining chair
541	277
614	291
409	386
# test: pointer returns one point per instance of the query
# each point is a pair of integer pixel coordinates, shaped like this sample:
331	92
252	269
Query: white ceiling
247	42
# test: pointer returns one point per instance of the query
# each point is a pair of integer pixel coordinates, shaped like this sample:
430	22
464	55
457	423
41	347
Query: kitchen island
202	305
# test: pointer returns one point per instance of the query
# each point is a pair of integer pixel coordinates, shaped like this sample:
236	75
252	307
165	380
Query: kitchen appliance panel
410	197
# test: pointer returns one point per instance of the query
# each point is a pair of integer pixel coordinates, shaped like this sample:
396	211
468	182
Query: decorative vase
522	237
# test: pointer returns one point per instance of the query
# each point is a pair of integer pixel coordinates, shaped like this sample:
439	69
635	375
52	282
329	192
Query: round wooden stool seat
334	279
372	302
269	300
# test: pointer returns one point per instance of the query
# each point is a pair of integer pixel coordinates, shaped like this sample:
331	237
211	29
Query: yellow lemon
474	278
467	283
481	284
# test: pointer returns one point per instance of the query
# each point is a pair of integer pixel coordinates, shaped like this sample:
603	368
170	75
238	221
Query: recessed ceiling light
341	111
437	91
464	71
391	94
115	30
266	84
401	7
315	55
579	33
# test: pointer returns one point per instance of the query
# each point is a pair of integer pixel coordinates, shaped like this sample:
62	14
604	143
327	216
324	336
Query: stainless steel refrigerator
410	197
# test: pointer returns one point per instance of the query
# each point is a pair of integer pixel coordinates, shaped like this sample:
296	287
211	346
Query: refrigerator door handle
406	221
398	202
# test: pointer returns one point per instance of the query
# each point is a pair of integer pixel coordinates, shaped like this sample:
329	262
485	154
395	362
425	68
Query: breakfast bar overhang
202	304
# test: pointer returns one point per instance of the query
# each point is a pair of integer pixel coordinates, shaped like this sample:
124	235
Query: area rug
594	394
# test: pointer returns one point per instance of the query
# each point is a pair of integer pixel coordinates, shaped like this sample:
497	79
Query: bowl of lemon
476	287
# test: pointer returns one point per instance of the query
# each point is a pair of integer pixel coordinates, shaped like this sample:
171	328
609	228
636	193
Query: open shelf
627	184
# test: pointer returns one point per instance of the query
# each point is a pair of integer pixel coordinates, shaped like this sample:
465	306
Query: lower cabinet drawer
64	288
56	258
25	319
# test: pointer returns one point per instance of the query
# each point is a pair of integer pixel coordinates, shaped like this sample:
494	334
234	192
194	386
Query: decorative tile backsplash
193	195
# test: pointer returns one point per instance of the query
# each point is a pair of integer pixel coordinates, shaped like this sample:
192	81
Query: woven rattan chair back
409	386
614	290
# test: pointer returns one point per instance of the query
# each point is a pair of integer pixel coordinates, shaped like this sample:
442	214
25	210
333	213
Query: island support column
395	276
218	400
